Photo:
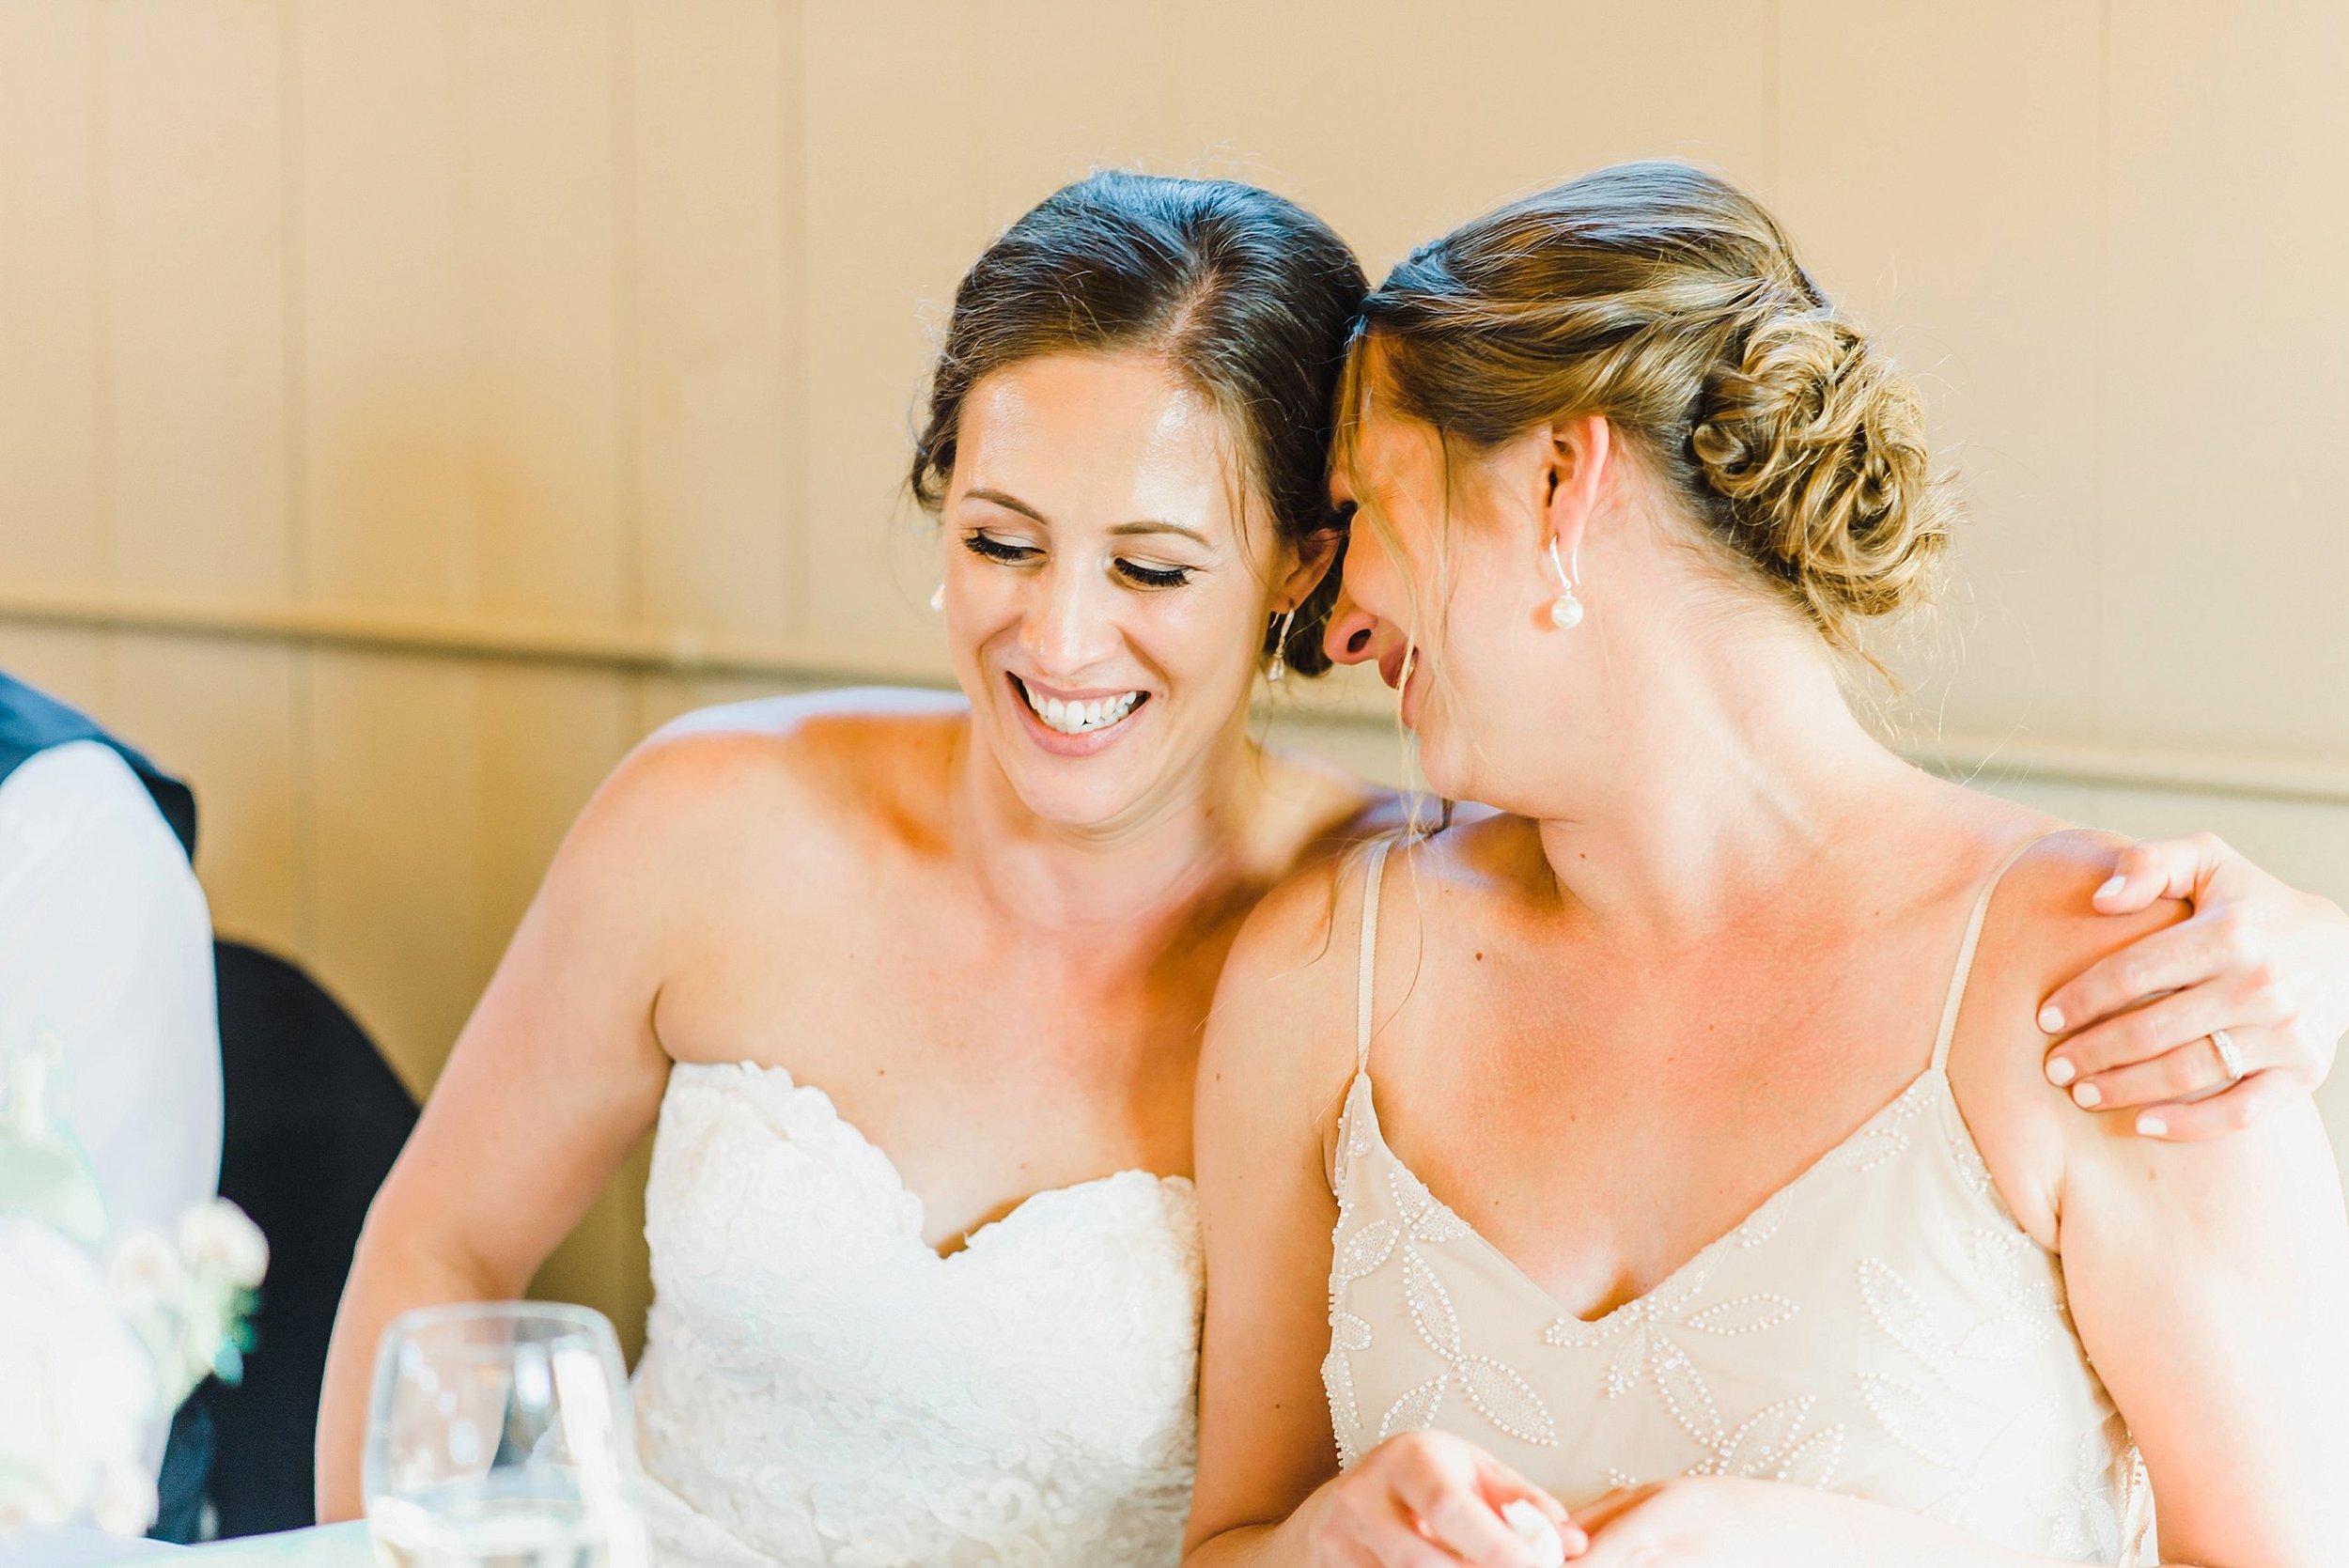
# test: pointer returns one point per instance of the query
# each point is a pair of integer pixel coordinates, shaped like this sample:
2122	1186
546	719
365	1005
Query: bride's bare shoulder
794	772
830	751
802	715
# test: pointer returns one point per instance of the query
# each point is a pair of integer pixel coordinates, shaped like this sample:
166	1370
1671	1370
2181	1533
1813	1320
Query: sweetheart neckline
897	1178
1703	1256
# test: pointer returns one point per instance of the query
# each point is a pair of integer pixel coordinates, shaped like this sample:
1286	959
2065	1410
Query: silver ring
2228	1057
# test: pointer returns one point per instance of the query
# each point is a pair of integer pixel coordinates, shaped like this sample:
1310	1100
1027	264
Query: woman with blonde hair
911	986
1671	1169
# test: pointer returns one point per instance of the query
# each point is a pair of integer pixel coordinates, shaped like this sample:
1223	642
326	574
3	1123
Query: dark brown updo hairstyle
1670	303
1246	295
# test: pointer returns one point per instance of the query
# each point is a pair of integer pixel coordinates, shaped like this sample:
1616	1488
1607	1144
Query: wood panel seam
690	651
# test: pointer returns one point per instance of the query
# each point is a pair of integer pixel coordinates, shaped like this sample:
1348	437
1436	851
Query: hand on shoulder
2042	928
2208	1280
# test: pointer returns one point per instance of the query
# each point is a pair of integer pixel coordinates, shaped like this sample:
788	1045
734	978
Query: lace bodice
819	1387
1880	1326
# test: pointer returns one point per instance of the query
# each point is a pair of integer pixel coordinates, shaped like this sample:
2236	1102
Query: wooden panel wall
608	316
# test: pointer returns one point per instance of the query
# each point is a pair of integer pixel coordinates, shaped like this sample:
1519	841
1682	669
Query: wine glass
499	1436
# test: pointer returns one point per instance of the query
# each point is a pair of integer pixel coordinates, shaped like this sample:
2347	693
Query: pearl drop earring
1565	611
938	600
1279	669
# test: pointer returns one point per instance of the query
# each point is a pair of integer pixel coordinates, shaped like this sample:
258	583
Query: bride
1680	1149
913	986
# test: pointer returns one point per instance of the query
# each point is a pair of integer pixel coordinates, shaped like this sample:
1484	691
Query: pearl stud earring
1565	611
938	600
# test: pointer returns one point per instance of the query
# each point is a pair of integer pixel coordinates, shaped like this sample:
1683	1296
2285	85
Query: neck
1134	874
1726	777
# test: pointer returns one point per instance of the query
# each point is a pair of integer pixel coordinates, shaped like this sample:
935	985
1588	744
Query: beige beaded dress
1880	1326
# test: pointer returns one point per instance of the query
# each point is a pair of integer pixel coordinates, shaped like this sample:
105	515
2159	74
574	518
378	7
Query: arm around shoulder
2208	1281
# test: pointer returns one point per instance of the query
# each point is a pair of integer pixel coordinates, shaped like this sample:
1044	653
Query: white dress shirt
106	945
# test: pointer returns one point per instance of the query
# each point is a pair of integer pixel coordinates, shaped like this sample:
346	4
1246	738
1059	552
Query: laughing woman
1686	1134
913	986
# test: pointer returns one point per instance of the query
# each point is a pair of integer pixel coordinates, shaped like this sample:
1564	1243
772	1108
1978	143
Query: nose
1068	628
1352	633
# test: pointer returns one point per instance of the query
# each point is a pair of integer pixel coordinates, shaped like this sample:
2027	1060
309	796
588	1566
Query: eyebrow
1194	535
1009	503
1123	530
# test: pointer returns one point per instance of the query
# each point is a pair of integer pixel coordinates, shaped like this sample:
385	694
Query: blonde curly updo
1670	301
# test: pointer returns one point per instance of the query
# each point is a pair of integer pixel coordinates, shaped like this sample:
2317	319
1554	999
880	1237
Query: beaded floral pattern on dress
818	1386
1879	1326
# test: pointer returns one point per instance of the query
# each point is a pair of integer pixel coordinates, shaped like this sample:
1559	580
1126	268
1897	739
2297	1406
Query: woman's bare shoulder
782	783
867	727
827	753
791	715
1315	912
2042	928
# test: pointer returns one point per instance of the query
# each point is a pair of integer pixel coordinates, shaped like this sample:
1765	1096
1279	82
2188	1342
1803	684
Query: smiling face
1447	591
1104	599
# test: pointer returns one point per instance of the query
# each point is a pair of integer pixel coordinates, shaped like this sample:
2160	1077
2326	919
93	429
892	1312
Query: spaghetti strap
1377	868
1973	937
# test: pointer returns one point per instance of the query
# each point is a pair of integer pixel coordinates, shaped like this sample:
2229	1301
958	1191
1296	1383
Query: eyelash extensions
987	547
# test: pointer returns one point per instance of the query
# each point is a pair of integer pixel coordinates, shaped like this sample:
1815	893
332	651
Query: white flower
84	1428
219	1241
185	1301
147	1276
126	1502
94	1364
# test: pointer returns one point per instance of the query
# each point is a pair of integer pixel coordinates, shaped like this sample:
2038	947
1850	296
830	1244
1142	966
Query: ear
1576	455
1313	555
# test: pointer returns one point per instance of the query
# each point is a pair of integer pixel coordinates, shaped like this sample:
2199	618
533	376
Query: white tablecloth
327	1546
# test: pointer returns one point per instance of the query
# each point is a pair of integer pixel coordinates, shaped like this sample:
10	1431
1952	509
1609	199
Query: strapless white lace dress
819	1387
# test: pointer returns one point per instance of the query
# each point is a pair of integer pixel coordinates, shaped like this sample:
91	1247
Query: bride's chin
1083	791
1079	809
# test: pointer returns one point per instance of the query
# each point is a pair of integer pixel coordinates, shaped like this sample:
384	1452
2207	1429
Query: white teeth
1081	717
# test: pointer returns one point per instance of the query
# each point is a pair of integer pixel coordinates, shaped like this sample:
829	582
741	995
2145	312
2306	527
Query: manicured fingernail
2112	887
2051	1019
2087	1096
2151	1126
2060	1071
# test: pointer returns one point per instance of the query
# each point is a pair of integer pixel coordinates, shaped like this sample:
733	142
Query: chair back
314	1118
